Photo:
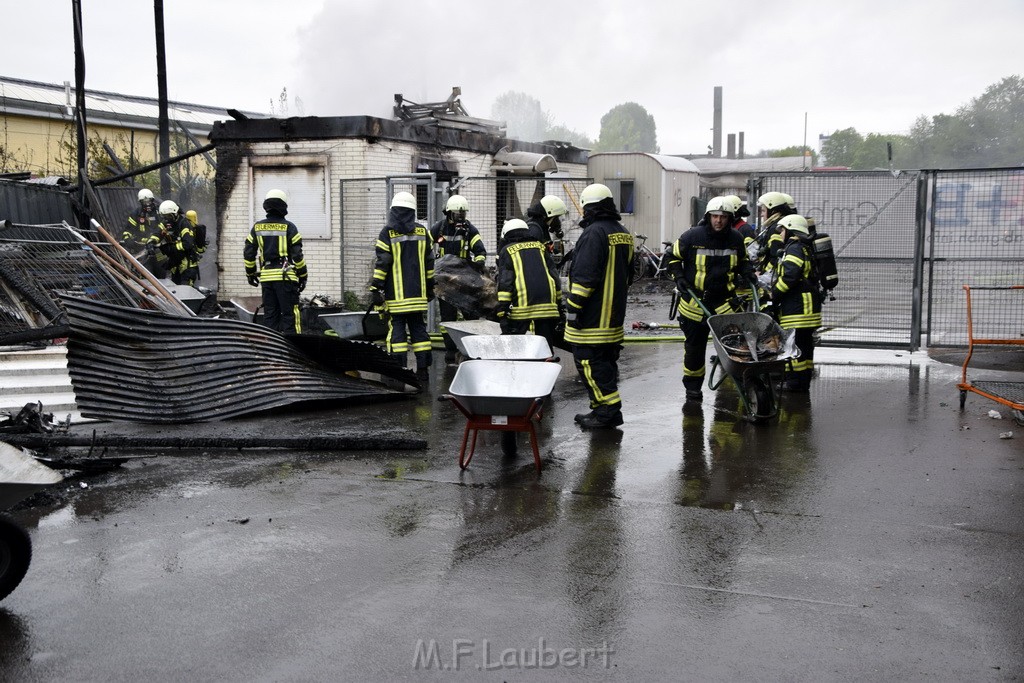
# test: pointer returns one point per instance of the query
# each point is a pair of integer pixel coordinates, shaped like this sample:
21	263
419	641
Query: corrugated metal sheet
34	204
147	366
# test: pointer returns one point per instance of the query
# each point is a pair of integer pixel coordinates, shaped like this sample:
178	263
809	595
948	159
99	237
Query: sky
790	70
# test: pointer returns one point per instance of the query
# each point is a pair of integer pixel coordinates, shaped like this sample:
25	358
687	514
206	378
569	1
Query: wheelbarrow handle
699	302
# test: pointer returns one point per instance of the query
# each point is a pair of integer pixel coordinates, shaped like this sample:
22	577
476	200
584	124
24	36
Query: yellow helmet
403	199
795	223
594	193
192	217
553	206
513	224
456	203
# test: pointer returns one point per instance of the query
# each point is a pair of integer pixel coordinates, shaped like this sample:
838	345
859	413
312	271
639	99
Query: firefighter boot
692	386
602	417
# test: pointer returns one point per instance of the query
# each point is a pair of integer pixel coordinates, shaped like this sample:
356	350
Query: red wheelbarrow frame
511	423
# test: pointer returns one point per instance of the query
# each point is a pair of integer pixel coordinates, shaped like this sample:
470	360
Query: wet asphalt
871	532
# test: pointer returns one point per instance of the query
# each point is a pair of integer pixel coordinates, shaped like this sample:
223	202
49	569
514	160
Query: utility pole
82	134
161	81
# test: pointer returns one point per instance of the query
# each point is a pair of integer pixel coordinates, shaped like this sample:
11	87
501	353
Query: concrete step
58	382
52	402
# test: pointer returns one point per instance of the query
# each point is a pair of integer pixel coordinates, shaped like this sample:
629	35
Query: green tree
627	128
524	118
565	134
841	147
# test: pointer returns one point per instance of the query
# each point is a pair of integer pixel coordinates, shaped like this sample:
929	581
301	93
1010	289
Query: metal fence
906	243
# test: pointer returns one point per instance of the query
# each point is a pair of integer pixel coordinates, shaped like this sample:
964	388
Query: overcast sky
874	65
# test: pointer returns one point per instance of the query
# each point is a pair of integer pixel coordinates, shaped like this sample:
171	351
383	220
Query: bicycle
647	262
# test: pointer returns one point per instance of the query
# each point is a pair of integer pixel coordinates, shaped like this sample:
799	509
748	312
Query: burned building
340	173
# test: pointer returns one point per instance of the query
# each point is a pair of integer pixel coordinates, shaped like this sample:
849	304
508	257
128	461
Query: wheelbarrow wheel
15	555
760	398
509	446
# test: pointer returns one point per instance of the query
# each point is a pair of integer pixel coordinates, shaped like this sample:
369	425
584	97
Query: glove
503	310
150	249
377	296
253	279
430	293
302	284
478	266
570	318
765	280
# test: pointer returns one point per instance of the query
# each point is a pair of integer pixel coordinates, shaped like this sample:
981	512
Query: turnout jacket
462	240
278	244
712	264
404	267
527	279
178	244
141	228
795	289
599	276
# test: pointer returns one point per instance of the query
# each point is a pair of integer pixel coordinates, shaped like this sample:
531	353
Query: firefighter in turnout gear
282	268
709	265
403	282
178	245
529	289
797	298
772	207
455	235
596	305
544	219
141	234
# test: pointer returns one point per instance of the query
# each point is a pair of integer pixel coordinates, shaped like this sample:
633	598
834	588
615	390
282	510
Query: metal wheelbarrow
501	395
459	330
20	476
751	347
506	347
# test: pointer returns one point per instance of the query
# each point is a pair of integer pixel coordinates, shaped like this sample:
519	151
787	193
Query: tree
565	134
841	147
627	128
524	118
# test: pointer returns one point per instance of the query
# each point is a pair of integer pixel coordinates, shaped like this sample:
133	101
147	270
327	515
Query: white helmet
795	223
732	202
403	199
594	193
145	195
277	194
513	224
720	205
553	206
456	203
168	208
773	200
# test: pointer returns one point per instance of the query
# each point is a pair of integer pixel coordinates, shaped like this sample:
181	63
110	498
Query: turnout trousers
281	307
408	331
598	365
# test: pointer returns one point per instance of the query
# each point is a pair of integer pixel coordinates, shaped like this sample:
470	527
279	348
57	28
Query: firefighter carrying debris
282	270
455	235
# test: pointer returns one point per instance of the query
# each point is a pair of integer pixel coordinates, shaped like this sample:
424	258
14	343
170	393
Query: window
305	180
625	199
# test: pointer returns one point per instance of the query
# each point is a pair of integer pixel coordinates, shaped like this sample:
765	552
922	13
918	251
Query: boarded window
305	182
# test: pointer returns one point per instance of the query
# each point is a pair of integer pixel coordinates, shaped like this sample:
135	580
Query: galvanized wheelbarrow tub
506	347
459	330
752	372
368	326
20	476
501	395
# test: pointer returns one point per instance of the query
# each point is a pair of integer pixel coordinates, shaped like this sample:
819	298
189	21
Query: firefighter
282	267
529	289
544	219
141	233
403	282
797	298
709	265
177	244
455	235
596	304
772	207
740	211
199	231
